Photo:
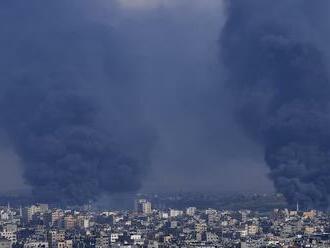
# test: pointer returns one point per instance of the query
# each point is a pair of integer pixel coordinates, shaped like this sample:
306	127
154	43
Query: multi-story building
143	206
69	222
5	243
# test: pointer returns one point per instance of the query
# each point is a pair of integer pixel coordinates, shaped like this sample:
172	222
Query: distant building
175	212
29	212
55	237
114	237
10	227
143	206
252	229
65	244
36	244
311	214
69	222
210	237
9	235
102	242
5	243
56	216
191	211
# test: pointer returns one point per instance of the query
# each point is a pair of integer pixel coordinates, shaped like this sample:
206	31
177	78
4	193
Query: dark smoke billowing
66	104
278	73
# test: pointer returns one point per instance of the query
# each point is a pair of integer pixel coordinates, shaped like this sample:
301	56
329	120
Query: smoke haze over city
109	97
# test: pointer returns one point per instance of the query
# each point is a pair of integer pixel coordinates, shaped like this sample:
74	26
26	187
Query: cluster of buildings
39	226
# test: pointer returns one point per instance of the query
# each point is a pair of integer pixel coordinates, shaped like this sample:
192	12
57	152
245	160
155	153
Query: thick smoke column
64	101
279	77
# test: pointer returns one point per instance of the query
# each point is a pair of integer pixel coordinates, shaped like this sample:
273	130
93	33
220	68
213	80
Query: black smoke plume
64	101
278	73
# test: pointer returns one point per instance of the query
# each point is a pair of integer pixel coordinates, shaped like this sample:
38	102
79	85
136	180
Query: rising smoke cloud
67	105
278	74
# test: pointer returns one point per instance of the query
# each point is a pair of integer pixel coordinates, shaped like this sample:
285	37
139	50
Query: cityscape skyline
152	226
164	124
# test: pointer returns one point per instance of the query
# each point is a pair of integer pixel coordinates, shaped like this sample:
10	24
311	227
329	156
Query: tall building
69	222
9	235
56	216
29	212
191	211
102	242
55	237
143	206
